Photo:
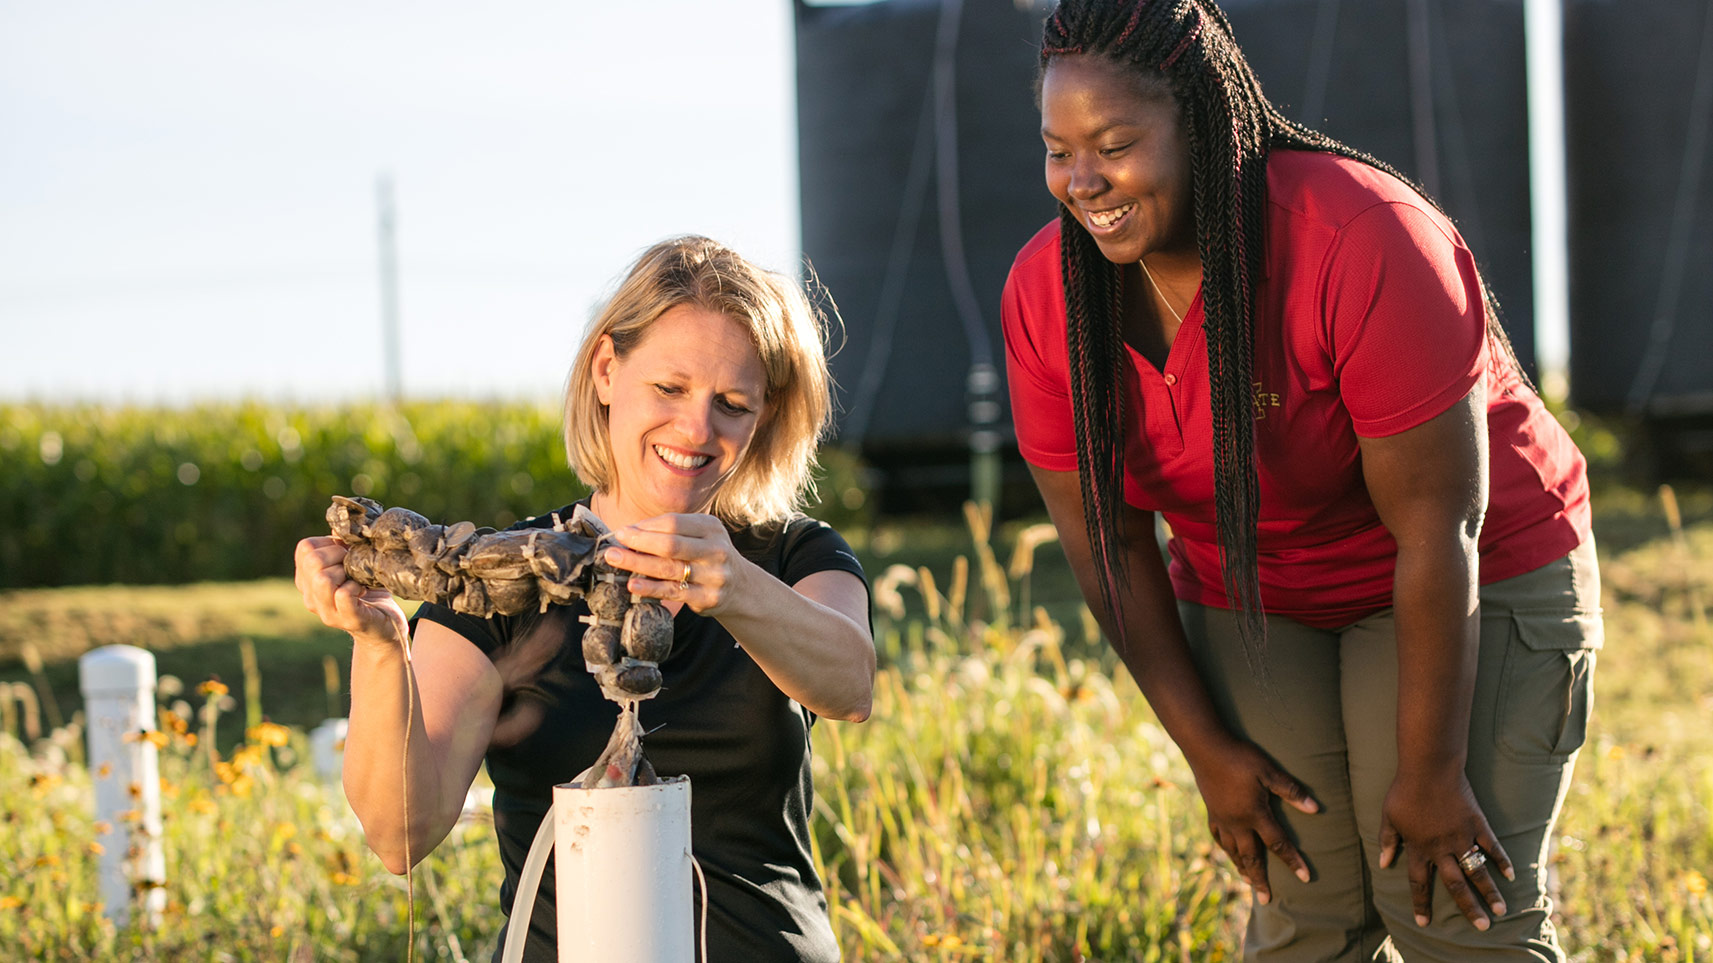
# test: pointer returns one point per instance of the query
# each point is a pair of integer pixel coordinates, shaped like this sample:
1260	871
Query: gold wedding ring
684	581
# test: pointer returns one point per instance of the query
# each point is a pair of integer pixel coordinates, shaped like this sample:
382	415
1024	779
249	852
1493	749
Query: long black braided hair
1231	126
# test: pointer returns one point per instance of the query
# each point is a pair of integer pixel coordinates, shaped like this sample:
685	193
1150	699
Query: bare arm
1429	485
456	702
810	638
1236	779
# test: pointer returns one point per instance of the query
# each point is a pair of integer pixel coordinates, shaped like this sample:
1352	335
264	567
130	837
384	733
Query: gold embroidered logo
1264	400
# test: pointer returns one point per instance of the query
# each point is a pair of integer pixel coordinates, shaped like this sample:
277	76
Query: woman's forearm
1152	643
1154	650
813	651
1438	631
386	704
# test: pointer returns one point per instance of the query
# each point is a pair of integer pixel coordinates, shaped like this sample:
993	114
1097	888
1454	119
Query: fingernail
1510	873
1303	874
1499	908
1482	924
612	555
1421	920
1262	897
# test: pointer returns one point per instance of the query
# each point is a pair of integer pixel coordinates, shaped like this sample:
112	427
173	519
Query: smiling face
682	408
1118	157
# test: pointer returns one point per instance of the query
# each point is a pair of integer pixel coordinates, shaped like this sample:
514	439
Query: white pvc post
1543	33
622	873
327	748
118	683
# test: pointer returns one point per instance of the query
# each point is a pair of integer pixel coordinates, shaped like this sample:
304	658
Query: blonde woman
693	411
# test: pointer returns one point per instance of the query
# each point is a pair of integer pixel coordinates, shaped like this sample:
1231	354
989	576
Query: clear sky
187	188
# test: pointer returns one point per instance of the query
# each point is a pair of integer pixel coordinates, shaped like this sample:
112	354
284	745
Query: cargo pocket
1546	689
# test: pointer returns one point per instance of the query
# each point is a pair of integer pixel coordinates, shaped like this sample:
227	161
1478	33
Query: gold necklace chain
1161	292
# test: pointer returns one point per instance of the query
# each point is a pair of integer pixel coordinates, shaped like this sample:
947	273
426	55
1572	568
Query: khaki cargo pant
1331	721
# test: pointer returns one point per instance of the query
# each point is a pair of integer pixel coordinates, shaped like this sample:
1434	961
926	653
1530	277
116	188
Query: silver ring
684	581
1472	860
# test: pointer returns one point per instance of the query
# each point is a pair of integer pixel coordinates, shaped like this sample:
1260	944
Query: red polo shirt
1368	322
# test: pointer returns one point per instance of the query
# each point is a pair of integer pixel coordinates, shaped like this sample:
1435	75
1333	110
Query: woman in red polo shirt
1381	603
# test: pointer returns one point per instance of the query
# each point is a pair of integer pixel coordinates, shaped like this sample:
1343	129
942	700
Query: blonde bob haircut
775	475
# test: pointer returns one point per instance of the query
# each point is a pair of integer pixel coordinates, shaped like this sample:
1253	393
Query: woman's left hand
1442	831
679	558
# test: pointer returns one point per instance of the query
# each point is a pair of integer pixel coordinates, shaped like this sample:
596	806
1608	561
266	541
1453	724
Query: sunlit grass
1010	800
264	862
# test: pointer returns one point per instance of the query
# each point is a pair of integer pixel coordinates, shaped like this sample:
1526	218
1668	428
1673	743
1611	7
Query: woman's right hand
366	613
1237	785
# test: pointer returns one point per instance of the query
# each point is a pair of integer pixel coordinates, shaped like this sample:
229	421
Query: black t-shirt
718	719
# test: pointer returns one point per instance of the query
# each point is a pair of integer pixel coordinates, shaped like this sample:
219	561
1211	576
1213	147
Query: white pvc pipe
622	873
529	881
118	684
327	748
1543	28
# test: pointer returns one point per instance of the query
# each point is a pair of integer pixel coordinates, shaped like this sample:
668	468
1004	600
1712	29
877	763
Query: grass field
1011	799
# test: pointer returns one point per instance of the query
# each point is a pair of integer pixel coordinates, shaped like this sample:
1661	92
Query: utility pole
389	286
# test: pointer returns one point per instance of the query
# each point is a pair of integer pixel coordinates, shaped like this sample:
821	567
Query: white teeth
676	460
1108	218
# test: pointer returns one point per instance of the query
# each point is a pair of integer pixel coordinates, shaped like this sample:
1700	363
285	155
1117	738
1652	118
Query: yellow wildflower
203	806
95	848
10	902
268	734
213	688
154	737
277	931
344	879
1695	883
